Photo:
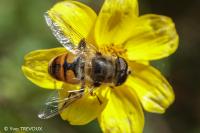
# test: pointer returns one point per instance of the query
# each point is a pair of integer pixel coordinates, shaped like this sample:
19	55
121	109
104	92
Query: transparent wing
72	40
66	41
55	104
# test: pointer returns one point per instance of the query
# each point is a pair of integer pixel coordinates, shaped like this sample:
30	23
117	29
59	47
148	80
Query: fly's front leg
73	93
73	96
94	94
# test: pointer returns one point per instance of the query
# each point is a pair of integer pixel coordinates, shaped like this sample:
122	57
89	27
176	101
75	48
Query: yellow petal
115	21
153	90
35	67
73	18
123	113
85	109
154	37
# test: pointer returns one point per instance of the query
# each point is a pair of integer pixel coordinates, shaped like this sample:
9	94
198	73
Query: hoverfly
83	65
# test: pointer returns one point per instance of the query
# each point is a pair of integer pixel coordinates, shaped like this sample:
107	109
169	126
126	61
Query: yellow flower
118	28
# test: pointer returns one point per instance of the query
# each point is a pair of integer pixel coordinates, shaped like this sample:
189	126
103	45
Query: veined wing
72	40
70	22
57	31
55	104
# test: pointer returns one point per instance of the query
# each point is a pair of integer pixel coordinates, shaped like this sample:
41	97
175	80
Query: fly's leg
74	95
75	92
94	94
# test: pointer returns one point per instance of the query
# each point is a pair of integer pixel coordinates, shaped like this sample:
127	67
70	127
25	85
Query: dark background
23	29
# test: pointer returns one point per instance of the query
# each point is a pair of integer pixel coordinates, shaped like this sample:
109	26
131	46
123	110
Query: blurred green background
23	29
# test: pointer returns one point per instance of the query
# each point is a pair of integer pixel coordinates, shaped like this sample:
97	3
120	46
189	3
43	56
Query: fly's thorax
108	69
64	68
101	69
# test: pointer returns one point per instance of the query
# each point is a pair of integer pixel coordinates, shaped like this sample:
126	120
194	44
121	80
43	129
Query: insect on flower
82	65
103	69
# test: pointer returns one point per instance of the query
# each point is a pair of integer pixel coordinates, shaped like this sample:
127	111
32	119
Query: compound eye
122	71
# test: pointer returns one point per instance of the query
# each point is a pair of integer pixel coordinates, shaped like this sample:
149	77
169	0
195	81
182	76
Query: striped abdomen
64	68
